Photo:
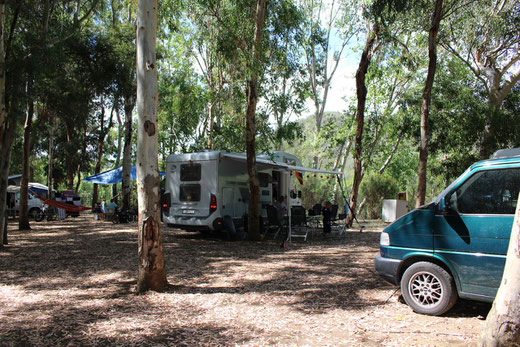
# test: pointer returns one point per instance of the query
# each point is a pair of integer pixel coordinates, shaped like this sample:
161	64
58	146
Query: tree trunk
361	91
253	221
70	166
23	221
486	142
503	321
391	155
425	108
127	151
120	134
7	134
151	272
3	114
51	156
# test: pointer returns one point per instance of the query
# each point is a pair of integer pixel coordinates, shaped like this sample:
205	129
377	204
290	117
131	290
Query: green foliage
374	189
79	70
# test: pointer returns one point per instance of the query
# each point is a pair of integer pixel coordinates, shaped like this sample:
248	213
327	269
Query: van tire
428	289
33	212
39	216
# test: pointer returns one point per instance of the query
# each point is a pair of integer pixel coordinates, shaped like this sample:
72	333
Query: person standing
111	207
103	210
327	218
281	207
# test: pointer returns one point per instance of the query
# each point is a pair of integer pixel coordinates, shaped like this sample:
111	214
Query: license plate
188	211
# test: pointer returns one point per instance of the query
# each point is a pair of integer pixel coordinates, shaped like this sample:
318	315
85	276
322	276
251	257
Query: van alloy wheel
429	289
426	289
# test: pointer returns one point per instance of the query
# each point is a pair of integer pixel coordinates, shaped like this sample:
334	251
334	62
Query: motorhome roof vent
504	153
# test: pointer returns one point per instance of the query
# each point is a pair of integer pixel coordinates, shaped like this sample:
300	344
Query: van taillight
212	203
166	202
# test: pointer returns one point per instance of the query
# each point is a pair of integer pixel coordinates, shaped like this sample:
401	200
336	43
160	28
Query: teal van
456	245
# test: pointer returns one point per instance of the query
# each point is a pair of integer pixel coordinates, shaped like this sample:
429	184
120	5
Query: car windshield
449	188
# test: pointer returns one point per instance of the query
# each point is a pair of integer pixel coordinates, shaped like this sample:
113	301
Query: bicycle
127	216
47	212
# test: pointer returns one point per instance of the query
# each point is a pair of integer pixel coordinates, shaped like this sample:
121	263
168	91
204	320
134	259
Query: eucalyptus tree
503	320
216	70
371	46
484	36
7	125
285	87
37	34
324	20
254	67
151	270
426	99
120	32
241	40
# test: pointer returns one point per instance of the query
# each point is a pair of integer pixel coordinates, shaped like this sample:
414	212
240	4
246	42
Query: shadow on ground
72	282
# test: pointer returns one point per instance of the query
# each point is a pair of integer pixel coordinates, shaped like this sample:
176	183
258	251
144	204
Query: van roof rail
505	153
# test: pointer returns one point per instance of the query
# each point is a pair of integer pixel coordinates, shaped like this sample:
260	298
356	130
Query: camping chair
273	223
299	226
316	210
334	212
338	221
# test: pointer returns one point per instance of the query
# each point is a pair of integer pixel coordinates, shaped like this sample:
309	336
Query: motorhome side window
190	172
189	192
264	179
488	192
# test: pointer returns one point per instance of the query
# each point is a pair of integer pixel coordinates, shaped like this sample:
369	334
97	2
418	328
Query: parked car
456	245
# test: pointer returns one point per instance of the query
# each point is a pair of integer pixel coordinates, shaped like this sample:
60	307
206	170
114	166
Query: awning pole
347	204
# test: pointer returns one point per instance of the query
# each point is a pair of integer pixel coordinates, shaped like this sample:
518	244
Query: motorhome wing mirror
293	194
299	194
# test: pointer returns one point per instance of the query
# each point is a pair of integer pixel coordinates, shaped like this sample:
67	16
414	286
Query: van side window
190	172
488	192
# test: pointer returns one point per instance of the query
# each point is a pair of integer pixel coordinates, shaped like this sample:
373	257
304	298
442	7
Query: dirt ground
72	283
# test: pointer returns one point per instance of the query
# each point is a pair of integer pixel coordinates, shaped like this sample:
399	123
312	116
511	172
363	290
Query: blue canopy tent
113	176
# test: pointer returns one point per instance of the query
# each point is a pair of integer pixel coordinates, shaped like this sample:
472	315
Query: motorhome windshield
191	172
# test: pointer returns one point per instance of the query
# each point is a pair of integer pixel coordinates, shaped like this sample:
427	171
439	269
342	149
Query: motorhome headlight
385	239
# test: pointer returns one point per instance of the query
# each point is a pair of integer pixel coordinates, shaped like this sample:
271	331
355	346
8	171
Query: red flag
299	176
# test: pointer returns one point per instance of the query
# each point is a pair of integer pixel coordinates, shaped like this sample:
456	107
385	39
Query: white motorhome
201	188
34	204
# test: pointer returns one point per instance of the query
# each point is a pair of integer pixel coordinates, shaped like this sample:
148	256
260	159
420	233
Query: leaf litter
73	283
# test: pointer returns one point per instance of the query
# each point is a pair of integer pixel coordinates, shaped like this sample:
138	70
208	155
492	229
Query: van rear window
190	172
189	192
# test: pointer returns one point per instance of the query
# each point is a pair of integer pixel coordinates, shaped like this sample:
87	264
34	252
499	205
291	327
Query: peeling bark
23	220
151	269
151	273
503	321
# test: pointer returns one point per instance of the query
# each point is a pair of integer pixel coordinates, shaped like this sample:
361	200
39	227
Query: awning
35	188
113	176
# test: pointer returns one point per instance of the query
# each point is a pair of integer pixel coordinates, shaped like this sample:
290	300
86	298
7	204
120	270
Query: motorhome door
228	201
